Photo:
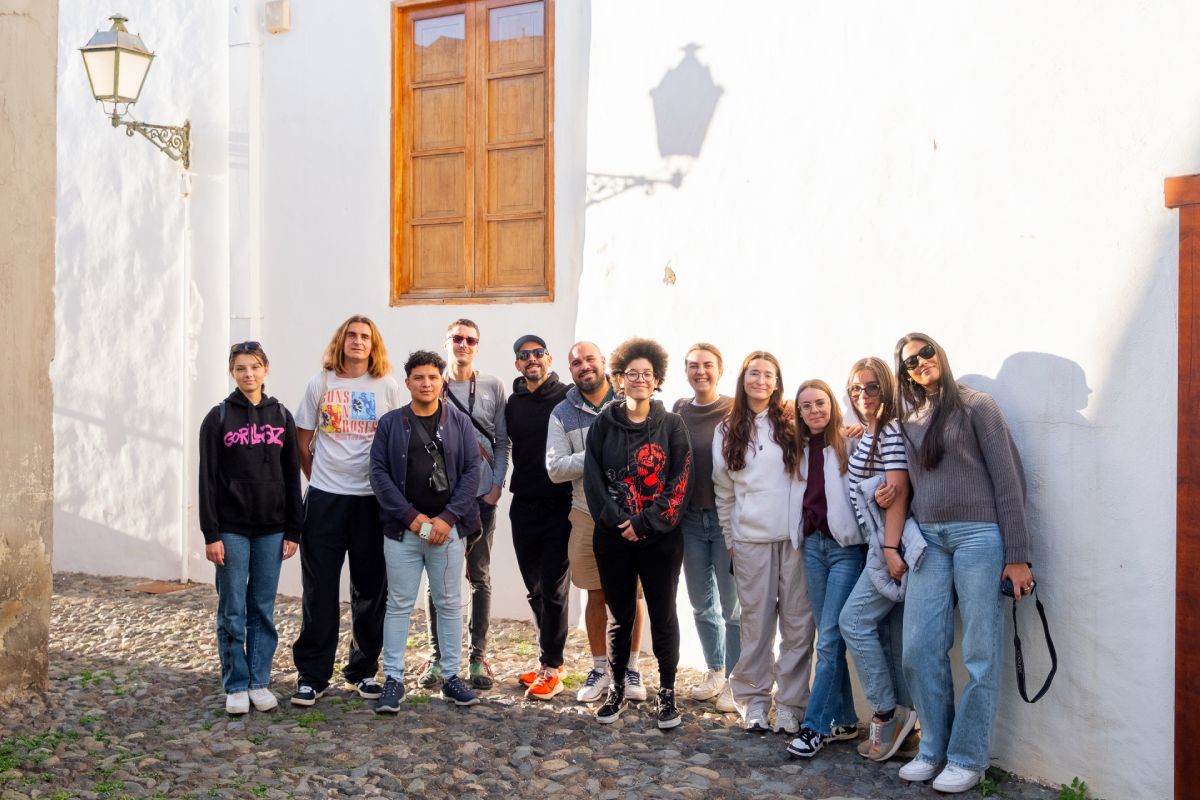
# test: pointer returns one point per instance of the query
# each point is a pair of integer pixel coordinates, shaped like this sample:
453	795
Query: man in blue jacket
425	473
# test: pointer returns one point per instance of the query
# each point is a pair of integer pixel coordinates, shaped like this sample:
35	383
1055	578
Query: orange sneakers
547	684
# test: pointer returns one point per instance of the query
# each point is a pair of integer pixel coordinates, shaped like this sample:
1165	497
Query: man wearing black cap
540	511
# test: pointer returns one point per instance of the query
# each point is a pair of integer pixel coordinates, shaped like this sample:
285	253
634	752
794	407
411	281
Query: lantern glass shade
116	62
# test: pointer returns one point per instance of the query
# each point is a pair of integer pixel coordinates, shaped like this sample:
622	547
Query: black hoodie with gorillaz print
249	470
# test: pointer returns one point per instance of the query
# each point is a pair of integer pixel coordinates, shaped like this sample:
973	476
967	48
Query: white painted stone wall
990	173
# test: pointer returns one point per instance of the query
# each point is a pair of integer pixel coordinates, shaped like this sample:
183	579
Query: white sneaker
756	721
595	687
633	686
918	770
237	703
725	702
709	686
956	779
785	721
262	699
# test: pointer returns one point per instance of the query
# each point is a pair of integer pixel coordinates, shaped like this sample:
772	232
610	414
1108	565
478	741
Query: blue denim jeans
711	589
831	571
873	628
246	587
443	566
963	558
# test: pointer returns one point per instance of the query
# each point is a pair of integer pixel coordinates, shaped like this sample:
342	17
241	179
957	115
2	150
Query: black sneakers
613	705
368	688
391	696
306	695
455	691
668	714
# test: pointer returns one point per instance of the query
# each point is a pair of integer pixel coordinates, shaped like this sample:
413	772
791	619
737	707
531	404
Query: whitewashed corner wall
988	173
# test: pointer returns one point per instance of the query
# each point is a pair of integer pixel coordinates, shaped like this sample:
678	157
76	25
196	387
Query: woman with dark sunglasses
969	500
250	515
872	620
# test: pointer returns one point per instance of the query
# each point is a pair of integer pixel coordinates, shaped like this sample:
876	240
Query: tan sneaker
709	686
725	702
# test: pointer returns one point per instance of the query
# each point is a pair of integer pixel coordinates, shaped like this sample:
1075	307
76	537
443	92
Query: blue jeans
873	628
246	587
831	572
443	565
707	571
963	558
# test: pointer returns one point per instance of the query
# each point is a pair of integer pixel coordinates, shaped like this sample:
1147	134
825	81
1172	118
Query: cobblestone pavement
136	711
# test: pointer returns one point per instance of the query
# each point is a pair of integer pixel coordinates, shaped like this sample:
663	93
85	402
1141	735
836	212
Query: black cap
529	337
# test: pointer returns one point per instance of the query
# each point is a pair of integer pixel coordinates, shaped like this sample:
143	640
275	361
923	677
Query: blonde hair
335	352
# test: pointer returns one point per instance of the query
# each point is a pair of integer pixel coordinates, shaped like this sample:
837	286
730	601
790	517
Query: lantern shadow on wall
684	101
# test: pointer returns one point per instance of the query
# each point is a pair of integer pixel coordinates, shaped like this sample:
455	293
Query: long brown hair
911	397
886	412
738	425
833	429
334	357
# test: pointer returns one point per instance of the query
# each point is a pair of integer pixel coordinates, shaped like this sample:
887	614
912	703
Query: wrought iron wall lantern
117	62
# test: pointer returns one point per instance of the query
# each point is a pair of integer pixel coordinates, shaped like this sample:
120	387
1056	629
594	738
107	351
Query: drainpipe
185	437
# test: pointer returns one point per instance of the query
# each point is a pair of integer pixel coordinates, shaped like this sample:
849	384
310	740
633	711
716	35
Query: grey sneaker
455	691
595	687
887	737
391	696
634	690
431	675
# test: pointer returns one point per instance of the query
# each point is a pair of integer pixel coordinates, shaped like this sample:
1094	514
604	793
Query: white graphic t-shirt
345	419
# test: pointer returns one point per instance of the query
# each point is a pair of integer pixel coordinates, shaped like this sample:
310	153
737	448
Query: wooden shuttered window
472	210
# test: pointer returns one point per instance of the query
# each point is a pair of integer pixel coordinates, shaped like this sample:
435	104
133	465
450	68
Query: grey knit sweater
980	478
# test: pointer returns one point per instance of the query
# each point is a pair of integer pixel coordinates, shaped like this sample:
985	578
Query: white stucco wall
990	174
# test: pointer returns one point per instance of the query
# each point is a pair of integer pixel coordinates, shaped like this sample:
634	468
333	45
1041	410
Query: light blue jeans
831	571
963	558
712	589
443	565
873	628
246	586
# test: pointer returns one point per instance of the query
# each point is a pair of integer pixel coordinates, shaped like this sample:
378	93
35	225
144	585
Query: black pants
657	562
479	576
541	529
336	525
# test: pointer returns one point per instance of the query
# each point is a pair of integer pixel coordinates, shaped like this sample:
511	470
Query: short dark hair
423	358
633	349
465	323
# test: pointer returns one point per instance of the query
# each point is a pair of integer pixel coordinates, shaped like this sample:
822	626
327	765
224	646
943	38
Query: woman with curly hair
637	478
754	461
969	499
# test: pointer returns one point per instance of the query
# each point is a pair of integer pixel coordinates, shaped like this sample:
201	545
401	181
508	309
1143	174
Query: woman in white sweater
754	459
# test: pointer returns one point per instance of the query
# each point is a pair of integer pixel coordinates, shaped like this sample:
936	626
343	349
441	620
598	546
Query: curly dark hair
635	348
423	358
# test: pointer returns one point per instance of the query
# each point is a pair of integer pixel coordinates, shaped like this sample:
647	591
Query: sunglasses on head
470	340
246	347
525	355
924	354
870	390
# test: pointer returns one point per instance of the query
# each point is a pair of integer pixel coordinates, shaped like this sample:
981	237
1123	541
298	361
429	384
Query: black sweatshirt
640	471
527	416
249	470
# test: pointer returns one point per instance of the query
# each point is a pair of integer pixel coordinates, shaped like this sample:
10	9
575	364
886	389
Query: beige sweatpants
772	590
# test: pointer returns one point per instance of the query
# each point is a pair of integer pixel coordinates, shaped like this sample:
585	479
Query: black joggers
657	562
336	525
541	529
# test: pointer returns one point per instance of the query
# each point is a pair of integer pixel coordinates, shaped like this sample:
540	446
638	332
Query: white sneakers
956	779
595	687
785	721
634	690
709	686
237	703
756	721
725	702
262	699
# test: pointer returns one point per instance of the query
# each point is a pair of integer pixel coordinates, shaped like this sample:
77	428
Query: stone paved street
136	711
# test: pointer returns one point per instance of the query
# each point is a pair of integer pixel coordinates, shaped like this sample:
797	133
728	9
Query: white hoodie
838	511
758	503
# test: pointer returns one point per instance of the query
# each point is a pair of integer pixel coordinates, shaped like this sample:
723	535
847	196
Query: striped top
889	457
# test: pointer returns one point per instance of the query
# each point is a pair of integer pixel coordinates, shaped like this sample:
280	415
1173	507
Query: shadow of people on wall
684	101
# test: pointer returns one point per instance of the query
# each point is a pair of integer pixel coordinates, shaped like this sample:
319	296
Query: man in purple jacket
425	473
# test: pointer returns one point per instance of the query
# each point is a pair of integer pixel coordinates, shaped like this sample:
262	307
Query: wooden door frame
1183	193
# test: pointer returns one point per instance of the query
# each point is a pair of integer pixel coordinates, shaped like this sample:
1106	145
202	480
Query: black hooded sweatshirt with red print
639	471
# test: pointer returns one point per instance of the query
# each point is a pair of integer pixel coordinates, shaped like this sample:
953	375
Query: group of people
857	538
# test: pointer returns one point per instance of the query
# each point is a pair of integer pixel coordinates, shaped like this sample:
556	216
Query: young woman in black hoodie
637	478
250	514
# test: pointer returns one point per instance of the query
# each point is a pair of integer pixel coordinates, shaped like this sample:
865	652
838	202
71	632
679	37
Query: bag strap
489	458
1020	660
221	412
428	444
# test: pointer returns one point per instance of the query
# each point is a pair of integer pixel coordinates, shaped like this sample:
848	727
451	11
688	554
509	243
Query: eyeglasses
525	355
470	340
815	405
246	347
871	389
645	376
926	353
